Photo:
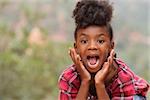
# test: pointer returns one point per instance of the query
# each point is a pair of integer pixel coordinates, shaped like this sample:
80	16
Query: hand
107	71
85	75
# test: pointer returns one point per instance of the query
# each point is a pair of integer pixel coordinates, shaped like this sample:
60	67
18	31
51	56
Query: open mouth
93	61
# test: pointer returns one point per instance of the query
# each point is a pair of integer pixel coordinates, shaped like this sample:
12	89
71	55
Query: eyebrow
86	34
83	34
101	34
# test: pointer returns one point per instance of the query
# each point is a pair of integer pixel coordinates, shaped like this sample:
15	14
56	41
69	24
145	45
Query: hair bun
92	12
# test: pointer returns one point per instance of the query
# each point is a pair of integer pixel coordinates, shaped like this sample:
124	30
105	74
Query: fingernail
68	51
69	48
78	56
112	50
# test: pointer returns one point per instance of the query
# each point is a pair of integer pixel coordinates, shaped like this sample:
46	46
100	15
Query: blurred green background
35	36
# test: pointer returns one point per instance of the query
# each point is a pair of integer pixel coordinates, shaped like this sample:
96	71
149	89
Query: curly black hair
93	12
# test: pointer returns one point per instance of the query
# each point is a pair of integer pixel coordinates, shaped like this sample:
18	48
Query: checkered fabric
124	87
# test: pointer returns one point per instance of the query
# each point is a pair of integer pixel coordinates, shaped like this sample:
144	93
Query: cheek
77	51
81	52
105	53
80	49
107	48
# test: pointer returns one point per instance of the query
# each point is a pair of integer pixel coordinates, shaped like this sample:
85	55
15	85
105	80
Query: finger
110	60
113	68
108	63
76	57
69	51
112	53
79	66
72	55
79	61
110	56
105	67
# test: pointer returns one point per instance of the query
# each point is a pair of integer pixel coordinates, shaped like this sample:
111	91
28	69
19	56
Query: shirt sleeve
65	90
138	97
134	97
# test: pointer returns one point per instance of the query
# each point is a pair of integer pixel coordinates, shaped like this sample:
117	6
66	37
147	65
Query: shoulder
125	74
68	73
69	78
129	82
68	83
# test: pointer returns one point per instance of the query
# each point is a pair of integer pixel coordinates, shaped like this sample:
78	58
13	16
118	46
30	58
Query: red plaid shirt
124	87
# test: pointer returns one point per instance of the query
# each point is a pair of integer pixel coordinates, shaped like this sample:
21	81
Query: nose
92	46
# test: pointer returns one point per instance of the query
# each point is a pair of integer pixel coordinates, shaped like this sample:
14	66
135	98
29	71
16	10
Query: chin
93	68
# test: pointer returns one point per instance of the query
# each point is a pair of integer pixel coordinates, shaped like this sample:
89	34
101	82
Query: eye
83	41
100	41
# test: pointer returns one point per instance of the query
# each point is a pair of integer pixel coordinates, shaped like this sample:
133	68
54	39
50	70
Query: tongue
92	61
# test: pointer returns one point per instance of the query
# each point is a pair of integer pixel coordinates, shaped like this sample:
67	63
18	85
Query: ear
75	47
112	44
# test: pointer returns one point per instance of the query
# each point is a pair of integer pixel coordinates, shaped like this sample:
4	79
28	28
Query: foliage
31	72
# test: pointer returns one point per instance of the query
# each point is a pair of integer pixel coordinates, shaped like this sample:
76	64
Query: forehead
93	31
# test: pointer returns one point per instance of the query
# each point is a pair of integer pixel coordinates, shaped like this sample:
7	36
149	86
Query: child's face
93	44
